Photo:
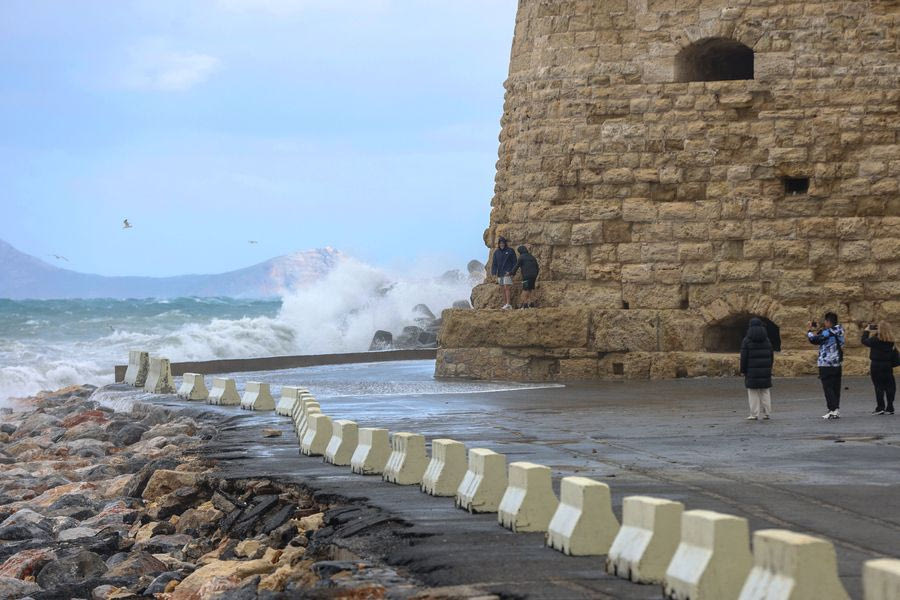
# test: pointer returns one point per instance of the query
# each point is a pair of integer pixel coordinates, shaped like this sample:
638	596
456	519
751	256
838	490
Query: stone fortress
680	166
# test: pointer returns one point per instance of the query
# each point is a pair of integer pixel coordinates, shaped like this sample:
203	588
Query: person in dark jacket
882	353
530	269
757	359
502	266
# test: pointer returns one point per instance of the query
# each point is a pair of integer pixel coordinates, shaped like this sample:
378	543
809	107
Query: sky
366	125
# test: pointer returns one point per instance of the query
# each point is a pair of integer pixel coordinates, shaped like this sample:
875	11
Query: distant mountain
23	276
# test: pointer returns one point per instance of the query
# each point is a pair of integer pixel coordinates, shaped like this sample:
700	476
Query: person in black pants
530	270
830	340
882	359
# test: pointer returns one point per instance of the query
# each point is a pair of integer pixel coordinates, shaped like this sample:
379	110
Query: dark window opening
618	368
625	305
726	335
796	185
714	59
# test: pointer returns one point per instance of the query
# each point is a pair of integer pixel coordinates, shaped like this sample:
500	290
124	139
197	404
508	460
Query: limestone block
257	397
792	566
546	327
407	462
713	559
584	523
138	365
483	485
317	435
193	387
650	534
528	503
223	392
311	409
881	579
372	453
446	468
290	395
159	377
344	439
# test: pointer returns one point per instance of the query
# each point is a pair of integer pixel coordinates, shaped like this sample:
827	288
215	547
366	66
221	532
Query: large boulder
136	565
12	588
382	340
74	568
164	481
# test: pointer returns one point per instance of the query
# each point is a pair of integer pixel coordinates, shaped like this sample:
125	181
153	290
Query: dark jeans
831	385
885	389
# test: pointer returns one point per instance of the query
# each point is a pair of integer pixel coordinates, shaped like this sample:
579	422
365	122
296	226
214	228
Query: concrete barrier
407	462
159	377
528	503
343	443
311	409
193	387
792	566
138	366
446	468
257	397
881	579
584	523
483	485
317	436
646	543
223	392
372	452
299	410
713	559
290	395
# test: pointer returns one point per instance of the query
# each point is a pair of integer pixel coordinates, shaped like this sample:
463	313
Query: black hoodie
527	263
757	357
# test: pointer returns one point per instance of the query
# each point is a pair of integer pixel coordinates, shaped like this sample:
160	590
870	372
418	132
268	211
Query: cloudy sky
367	125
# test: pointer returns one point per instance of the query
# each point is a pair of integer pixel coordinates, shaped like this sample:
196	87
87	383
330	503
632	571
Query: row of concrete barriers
694	555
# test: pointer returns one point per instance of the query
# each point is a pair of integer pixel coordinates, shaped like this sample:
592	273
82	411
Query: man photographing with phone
830	340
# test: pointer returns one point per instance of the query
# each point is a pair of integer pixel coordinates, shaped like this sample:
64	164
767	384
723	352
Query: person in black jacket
502	265
529	265
882	354
757	359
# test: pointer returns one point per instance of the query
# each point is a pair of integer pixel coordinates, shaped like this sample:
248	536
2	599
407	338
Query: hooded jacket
757	357
504	260
830	342
528	263
881	354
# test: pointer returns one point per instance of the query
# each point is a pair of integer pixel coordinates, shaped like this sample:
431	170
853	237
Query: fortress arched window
714	59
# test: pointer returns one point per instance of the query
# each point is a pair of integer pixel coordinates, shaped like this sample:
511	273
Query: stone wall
658	209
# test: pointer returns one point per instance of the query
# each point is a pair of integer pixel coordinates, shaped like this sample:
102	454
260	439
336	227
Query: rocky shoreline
100	504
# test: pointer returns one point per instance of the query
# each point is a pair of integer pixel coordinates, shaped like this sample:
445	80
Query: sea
48	344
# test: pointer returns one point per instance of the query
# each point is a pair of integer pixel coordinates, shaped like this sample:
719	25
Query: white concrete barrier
138	366
343	443
372	453
193	387
881	579
223	392
584	523
317	436
290	394
446	468
159	377
297	411
528	503
407	462
483	485
257	396
792	566
713	559
646	543
311	409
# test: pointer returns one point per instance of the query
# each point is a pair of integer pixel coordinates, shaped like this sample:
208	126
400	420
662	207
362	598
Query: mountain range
23	276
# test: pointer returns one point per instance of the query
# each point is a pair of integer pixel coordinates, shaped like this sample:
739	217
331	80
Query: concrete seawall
273	363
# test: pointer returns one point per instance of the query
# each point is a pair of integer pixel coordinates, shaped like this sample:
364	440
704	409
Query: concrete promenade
685	440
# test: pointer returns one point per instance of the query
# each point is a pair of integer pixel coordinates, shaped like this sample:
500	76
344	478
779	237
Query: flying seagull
252	242
126	224
58	257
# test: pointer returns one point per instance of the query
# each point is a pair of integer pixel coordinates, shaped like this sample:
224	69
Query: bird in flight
252	242
126	224
58	257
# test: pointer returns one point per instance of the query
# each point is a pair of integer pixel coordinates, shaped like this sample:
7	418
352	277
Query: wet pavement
685	440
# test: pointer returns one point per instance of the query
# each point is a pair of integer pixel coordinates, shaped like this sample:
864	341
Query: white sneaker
507	306
836	414
752	418
828	415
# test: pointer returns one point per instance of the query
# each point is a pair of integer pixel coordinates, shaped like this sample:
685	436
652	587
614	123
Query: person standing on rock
882	359
830	340
529	265
502	266
757	359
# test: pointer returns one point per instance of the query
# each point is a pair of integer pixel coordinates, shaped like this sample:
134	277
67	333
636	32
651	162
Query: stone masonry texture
662	209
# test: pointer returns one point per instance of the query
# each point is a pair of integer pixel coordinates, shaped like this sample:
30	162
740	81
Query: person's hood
757	331
522	250
502	240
